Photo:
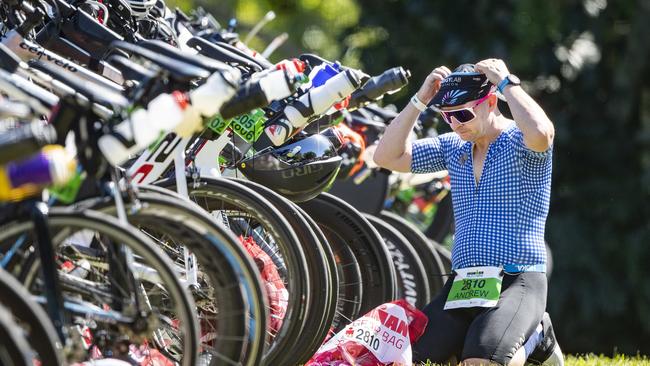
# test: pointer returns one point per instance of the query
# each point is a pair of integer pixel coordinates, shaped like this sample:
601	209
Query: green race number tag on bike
68	192
249	126
218	124
475	287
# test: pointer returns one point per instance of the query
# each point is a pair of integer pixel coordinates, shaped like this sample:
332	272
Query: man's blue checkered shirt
501	220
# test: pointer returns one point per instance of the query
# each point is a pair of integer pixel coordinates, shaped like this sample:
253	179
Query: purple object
35	170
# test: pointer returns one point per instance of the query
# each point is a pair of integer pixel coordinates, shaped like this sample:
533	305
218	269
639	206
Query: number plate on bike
218	124
249	126
475	287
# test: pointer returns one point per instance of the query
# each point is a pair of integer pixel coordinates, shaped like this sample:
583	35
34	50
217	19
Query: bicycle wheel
443	222
426	251
112	308
413	285
445	257
32	319
230	300
327	318
14	350
323	301
342	223
250	215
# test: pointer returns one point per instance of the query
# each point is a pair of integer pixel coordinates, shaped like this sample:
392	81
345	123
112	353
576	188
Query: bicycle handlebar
261	92
390	81
25	140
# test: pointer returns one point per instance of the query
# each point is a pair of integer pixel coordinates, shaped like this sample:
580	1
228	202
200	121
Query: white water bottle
218	88
143	127
167	113
320	99
316	101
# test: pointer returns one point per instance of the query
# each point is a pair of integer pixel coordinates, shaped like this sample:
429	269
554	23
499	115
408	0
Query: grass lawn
619	360
595	360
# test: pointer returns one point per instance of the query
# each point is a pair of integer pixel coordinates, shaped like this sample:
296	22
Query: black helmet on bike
299	170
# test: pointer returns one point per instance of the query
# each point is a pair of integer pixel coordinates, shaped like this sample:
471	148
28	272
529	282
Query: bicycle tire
443	221
14	349
323	301
445	257
241	339
41	334
62	220
338	220
413	284
426	251
350	289
328	318
218	194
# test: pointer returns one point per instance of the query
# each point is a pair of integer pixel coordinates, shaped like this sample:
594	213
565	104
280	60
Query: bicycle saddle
312	59
227	46
179	71
129	69
93	91
87	32
21	89
221	54
385	114
358	120
176	54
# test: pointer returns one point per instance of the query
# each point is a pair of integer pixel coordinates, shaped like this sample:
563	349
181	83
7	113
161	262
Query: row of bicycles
163	192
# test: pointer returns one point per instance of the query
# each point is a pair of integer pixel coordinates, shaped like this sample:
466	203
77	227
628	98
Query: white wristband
418	103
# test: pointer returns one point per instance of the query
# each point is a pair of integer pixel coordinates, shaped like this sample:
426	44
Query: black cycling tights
494	333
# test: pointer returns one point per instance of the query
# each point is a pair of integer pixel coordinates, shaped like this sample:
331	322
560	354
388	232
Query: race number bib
475	287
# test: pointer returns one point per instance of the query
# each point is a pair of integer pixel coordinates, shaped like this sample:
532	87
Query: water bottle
316	101
53	165
259	92
177	112
143	127
389	82
294	65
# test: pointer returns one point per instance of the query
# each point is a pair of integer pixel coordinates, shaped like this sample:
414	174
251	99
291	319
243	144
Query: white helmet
140	8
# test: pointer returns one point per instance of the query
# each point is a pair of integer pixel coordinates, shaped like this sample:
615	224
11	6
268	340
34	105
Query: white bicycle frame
153	163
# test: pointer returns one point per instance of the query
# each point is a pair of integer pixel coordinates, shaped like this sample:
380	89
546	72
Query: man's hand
431	84
495	70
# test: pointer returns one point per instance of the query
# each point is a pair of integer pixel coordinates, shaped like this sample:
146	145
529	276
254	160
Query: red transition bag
277	293
381	337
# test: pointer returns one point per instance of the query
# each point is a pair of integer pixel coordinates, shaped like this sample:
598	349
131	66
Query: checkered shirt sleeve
431	154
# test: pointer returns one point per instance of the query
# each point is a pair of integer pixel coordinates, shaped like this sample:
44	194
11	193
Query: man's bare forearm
393	151
535	126
531	119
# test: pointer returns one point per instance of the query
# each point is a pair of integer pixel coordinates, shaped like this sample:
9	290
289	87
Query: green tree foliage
586	62
312	25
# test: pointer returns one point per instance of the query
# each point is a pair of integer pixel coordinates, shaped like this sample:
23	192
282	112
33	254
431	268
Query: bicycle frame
152	164
53	298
